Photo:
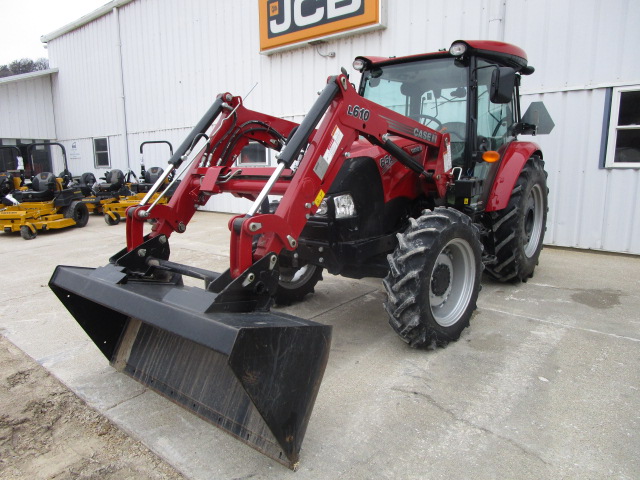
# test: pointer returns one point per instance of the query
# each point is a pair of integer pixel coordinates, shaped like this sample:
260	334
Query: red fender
513	160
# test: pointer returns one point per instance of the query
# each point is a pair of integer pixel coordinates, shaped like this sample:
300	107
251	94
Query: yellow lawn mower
97	195
114	211
49	203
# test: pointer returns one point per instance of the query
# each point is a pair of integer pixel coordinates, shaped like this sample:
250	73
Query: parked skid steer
417	177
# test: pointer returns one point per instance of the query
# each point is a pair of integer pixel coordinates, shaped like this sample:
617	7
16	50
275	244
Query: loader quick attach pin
249	280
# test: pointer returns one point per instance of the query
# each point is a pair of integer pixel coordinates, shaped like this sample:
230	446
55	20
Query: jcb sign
286	23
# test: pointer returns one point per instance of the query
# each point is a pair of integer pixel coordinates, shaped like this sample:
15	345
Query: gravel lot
47	432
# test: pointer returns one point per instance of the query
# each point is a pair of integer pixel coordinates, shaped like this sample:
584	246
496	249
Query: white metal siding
576	43
579	48
176	56
86	91
27	106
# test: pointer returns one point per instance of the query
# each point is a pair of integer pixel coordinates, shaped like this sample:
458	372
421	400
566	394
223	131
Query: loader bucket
255	375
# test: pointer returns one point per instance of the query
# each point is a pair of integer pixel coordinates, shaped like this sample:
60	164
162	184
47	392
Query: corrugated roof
26	76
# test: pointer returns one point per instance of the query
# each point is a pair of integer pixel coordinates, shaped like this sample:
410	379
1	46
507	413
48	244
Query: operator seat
6	183
114	181
66	177
86	183
151	176
43	187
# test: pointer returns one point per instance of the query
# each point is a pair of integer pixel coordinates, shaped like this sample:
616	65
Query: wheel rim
295	277
533	220
451	282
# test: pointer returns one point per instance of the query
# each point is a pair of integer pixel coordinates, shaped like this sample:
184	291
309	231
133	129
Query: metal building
139	70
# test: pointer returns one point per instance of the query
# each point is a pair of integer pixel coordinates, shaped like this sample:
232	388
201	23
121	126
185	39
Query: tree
23	65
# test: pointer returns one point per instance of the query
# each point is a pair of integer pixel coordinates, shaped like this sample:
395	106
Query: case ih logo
285	23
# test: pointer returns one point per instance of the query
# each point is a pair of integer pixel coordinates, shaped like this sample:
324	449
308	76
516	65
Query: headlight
323	209
345	207
359	64
457	49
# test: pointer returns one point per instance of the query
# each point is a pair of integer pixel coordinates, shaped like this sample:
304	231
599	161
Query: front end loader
416	177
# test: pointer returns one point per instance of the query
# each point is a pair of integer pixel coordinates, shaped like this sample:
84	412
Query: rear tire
79	212
434	278
27	234
296	283
518	230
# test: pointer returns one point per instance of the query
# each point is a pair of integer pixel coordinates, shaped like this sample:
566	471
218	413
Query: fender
513	160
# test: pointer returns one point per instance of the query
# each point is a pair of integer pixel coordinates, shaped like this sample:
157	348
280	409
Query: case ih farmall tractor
417	176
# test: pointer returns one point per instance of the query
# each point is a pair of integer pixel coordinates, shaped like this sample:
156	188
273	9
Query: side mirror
503	80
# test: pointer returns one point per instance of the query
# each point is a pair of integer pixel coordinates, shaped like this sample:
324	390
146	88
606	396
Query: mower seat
6	183
86	183
151	176
114	182
66	177
43	187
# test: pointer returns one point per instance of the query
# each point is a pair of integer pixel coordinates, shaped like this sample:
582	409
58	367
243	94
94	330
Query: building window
623	146
253	154
101	152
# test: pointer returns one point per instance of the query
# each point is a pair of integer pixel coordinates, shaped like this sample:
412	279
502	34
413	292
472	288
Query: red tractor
417	176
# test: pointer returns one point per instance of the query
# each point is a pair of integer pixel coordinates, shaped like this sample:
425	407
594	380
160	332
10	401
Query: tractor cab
469	92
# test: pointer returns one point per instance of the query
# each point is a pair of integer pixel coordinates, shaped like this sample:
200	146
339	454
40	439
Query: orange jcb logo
286	22
300	14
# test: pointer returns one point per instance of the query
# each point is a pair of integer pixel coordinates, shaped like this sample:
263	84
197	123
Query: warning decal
319	198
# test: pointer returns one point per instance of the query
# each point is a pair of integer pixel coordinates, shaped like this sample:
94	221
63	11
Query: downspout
503	19
497	18
122	102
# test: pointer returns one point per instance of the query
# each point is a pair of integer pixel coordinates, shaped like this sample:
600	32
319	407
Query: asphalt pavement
545	383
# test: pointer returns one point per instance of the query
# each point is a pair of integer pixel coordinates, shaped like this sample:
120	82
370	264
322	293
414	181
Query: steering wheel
429	119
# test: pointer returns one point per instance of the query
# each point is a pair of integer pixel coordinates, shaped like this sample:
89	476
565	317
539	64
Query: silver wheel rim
455	262
292	278
533	220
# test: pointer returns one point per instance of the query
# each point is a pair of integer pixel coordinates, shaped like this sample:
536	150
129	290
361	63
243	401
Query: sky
25	21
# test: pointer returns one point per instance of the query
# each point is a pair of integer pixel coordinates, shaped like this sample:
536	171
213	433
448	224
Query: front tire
434	278
518	229
27	234
112	221
296	283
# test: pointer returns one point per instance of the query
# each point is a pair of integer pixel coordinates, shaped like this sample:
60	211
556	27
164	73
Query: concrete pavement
545	383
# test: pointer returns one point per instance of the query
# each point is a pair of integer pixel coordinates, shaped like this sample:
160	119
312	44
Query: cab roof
501	52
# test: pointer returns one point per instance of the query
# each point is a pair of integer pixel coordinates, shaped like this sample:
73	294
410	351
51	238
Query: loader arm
308	163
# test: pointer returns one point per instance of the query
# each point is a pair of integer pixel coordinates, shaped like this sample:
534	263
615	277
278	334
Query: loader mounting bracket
252	290
135	260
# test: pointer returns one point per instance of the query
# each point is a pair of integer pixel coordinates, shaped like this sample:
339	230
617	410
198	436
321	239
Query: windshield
433	92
